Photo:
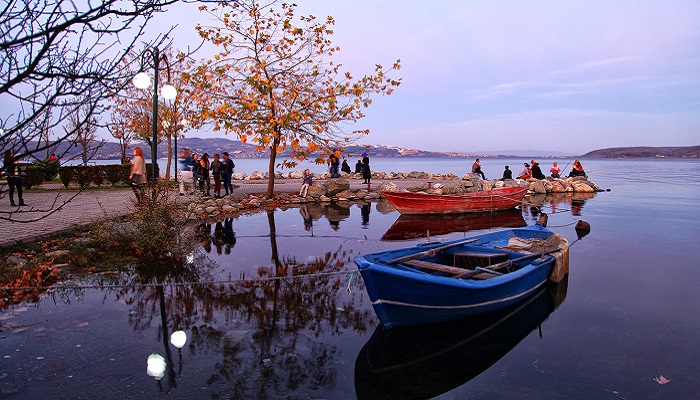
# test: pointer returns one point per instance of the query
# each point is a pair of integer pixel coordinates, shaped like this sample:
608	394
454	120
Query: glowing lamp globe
156	366
178	339
142	80
168	92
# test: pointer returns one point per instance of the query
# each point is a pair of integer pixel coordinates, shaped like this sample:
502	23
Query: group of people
532	170
200	170
362	167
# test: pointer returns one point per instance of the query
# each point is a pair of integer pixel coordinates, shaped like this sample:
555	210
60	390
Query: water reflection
422	362
264	334
418	226
557	203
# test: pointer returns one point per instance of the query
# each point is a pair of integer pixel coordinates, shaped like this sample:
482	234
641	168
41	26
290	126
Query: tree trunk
170	158
271	170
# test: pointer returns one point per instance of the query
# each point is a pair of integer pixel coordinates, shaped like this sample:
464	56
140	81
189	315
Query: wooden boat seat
435	267
473	259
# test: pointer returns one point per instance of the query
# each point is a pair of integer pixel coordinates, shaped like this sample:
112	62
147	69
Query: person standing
137	175
216	167
14	179
204	166
226	173
196	174
335	166
185	172
366	172
307	181
476	169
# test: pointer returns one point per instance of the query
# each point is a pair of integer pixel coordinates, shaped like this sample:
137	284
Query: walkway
92	205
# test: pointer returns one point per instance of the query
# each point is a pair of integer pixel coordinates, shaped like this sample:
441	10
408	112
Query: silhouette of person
365	210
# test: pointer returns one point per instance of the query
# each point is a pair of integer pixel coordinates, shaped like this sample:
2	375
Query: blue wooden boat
437	282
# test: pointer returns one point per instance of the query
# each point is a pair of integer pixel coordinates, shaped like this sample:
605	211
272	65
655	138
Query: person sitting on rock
307	181
525	172
535	170
555	170
476	169
507	174
577	170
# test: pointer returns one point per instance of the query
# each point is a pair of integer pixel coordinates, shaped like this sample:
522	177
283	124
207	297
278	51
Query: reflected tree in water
268	331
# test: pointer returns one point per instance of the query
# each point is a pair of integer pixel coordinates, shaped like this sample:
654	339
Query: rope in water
60	287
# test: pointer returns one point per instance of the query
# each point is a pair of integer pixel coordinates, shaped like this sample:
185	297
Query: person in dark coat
507	174
366	172
358	167
536	171
345	167
14	180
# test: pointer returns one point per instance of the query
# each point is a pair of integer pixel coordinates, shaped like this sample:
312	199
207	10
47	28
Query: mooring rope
59	287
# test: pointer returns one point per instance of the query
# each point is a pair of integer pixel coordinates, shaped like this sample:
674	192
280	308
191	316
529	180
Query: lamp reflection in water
157	365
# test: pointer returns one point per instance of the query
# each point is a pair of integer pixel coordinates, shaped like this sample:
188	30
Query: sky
482	76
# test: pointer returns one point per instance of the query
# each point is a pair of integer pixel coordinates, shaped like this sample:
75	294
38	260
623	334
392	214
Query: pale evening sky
566	76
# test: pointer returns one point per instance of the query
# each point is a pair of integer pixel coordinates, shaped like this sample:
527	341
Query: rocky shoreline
327	190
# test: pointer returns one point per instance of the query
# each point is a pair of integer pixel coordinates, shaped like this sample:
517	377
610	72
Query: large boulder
538	186
317	190
257	176
335	186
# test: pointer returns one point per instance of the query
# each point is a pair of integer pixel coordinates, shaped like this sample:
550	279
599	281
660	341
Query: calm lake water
287	319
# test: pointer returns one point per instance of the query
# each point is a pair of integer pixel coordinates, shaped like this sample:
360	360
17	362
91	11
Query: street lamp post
142	81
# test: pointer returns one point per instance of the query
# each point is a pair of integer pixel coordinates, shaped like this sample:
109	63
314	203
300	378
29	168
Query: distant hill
237	149
645	152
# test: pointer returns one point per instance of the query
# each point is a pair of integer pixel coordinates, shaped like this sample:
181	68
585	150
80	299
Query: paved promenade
92	205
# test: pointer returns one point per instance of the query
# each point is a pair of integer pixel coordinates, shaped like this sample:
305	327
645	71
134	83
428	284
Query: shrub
98	174
49	168
114	173
83	176
32	176
66	174
157	233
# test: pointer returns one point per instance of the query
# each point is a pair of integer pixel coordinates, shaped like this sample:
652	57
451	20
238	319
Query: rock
228	208
257	176
387	187
296	174
345	195
582	187
335	186
238	176
16	260
317	190
57	253
538	186
210	209
324	199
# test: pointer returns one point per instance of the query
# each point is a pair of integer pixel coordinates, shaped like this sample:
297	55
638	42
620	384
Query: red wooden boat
488	200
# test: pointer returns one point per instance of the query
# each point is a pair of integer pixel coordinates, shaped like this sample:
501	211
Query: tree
119	130
132	108
84	126
271	82
53	54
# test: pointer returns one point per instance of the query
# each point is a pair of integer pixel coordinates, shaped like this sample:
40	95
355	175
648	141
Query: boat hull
425	203
402	295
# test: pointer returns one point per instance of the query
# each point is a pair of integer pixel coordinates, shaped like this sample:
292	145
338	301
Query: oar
431	251
469	274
